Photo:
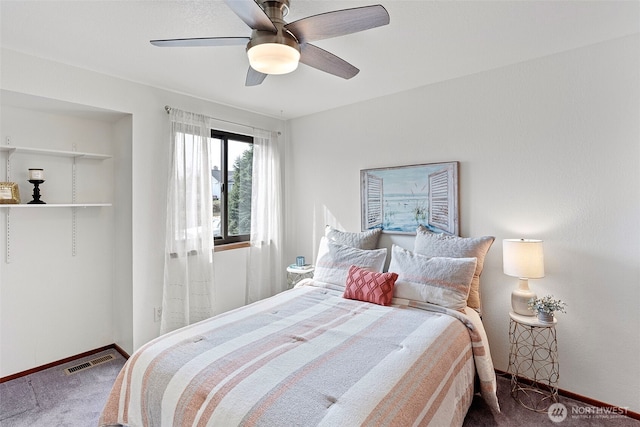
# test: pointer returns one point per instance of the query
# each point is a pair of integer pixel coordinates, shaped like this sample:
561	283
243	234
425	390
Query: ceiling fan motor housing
275	9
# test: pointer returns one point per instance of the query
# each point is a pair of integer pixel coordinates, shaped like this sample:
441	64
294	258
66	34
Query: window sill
230	246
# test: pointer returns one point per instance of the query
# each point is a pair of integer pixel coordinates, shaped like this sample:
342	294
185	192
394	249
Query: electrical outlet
157	314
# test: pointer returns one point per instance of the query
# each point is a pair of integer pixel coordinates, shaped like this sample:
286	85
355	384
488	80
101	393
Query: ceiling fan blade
202	41
254	78
338	23
316	57
252	14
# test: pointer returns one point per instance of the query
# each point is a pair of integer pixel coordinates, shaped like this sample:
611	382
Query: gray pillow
363	240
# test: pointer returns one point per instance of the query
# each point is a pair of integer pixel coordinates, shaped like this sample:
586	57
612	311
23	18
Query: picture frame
9	193
399	199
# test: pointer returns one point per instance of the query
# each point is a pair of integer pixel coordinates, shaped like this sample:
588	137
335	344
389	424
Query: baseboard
568	394
120	350
116	347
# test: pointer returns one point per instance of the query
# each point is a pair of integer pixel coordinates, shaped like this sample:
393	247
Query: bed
318	355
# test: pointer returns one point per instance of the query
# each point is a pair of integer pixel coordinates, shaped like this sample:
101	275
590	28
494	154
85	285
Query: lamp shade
273	58
523	258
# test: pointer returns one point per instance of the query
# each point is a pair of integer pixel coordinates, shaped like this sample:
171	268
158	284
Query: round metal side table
533	362
296	274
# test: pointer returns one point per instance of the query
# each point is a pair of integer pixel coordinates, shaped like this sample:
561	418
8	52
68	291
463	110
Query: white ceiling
426	42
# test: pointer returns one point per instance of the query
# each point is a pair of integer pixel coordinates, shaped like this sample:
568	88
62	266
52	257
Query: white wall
139	207
55	303
122	286
548	149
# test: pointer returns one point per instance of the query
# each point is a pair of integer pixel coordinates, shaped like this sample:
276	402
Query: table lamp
522	258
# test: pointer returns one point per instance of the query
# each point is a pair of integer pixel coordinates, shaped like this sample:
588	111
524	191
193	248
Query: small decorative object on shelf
545	307
9	193
36	174
36	177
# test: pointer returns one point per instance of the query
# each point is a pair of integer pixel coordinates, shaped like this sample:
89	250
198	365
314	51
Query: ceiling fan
276	47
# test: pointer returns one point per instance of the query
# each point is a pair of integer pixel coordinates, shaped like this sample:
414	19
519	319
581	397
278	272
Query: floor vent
89	364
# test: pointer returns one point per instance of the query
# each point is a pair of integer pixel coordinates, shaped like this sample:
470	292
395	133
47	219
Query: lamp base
520	298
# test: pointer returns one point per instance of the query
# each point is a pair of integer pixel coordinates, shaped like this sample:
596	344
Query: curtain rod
167	108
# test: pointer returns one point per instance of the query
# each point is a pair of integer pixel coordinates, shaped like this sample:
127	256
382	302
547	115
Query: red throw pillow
368	286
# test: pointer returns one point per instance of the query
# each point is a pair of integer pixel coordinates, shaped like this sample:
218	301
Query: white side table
533	362
296	274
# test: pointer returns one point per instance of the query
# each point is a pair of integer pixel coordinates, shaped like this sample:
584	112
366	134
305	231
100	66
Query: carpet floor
51	398
577	414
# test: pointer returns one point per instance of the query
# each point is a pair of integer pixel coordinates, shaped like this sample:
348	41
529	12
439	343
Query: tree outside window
231	174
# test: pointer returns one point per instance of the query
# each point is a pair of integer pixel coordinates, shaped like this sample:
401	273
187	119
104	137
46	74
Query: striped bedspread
308	357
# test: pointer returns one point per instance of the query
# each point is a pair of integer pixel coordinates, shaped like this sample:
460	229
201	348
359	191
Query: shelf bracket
8	252
74	219
8	217
10	152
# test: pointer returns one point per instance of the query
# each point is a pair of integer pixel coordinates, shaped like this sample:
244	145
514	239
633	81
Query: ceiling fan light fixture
273	58
276	47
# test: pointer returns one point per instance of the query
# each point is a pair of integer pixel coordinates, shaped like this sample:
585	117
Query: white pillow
439	280
334	260
444	245
362	240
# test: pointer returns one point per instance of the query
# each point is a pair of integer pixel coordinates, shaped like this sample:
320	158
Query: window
231	169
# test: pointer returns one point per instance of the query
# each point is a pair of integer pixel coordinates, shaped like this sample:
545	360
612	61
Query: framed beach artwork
399	199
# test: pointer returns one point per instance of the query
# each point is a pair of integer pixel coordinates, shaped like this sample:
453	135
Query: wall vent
89	364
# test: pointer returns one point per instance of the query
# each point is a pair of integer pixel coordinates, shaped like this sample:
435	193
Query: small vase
545	317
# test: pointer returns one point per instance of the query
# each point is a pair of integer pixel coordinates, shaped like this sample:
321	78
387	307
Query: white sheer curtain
188	268
264	271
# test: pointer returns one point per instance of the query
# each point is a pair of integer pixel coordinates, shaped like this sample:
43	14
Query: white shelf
56	205
59	153
11	149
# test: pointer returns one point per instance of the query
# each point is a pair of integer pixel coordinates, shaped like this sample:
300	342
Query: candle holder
36	192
